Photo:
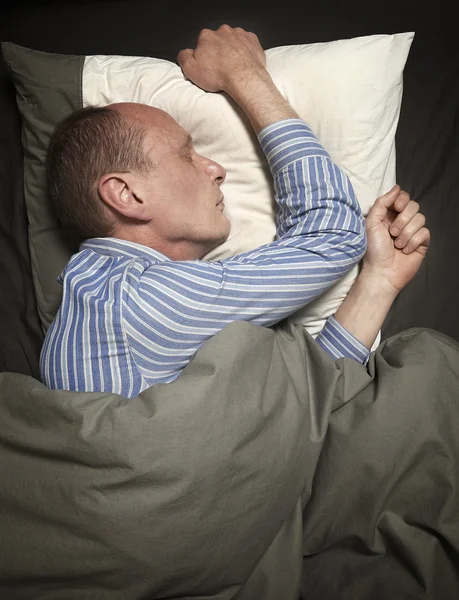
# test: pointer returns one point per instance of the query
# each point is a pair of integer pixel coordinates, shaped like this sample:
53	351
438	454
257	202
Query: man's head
129	170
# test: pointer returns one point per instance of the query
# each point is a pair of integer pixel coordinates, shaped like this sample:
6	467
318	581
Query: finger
420	242
205	33
402	220
184	58
416	223
402	201
379	209
389	197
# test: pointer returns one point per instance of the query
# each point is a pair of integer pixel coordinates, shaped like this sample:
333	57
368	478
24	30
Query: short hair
86	145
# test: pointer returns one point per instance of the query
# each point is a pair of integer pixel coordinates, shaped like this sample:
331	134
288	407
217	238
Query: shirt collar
115	247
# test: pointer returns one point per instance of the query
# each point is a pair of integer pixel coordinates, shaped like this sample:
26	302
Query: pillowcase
349	91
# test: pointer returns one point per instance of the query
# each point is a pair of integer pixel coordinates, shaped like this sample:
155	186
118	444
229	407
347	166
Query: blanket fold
262	469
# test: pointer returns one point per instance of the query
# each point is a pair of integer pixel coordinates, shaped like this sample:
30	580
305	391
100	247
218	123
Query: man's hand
223	57
232	60
391	261
397	239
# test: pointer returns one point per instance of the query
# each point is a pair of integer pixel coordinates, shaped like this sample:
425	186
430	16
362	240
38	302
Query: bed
267	471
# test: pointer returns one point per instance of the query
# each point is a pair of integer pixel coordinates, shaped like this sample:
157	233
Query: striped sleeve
339	342
313	194
173	307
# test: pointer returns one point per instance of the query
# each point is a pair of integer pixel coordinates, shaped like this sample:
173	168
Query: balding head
142	113
129	170
86	145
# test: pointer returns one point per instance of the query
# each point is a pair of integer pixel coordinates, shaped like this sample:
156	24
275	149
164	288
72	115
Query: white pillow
349	91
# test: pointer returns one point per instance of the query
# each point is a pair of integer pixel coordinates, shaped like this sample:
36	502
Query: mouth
220	202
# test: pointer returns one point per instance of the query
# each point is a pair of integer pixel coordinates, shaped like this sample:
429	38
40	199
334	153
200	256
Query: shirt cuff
339	342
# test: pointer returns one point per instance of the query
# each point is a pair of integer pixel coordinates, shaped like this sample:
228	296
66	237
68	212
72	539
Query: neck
178	250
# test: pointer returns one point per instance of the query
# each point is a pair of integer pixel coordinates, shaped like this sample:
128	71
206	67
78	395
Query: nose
215	171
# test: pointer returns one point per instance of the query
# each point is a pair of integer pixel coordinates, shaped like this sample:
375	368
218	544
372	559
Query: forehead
163	130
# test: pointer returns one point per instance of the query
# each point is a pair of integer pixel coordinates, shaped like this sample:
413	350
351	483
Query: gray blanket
266	471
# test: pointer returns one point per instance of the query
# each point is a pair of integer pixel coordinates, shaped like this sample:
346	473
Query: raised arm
320	228
313	194
232	60
301	170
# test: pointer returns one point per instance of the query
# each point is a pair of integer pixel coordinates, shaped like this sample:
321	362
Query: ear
117	191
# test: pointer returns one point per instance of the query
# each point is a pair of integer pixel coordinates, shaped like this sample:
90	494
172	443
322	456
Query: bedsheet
266	471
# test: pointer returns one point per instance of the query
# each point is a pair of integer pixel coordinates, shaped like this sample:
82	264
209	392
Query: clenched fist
222	57
397	238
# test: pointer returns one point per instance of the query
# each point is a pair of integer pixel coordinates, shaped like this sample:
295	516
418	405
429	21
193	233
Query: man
137	300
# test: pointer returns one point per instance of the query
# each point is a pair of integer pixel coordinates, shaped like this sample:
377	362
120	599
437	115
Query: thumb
379	209
184	59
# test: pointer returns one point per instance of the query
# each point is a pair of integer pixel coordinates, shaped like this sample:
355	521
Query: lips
220	201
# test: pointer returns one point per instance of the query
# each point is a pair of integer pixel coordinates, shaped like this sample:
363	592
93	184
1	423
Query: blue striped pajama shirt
131	317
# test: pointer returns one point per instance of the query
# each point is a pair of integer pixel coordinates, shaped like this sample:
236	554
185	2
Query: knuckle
204	33
183	57
402	200
421	218
425	232
403	197
418	237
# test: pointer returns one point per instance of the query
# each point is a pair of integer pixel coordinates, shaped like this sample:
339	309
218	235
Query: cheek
190	189
187	184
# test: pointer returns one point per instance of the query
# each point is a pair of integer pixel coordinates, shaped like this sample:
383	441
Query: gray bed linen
266	471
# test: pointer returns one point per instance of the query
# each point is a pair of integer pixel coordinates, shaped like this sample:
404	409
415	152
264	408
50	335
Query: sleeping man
138	300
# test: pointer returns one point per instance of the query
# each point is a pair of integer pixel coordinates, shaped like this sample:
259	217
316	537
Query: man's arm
313	194
182	304
320	228
232	60
397	244
352	330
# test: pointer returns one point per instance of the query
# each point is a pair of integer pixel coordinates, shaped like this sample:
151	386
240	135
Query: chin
227	230
225	235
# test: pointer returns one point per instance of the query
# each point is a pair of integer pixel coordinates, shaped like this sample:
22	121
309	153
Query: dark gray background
427	138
